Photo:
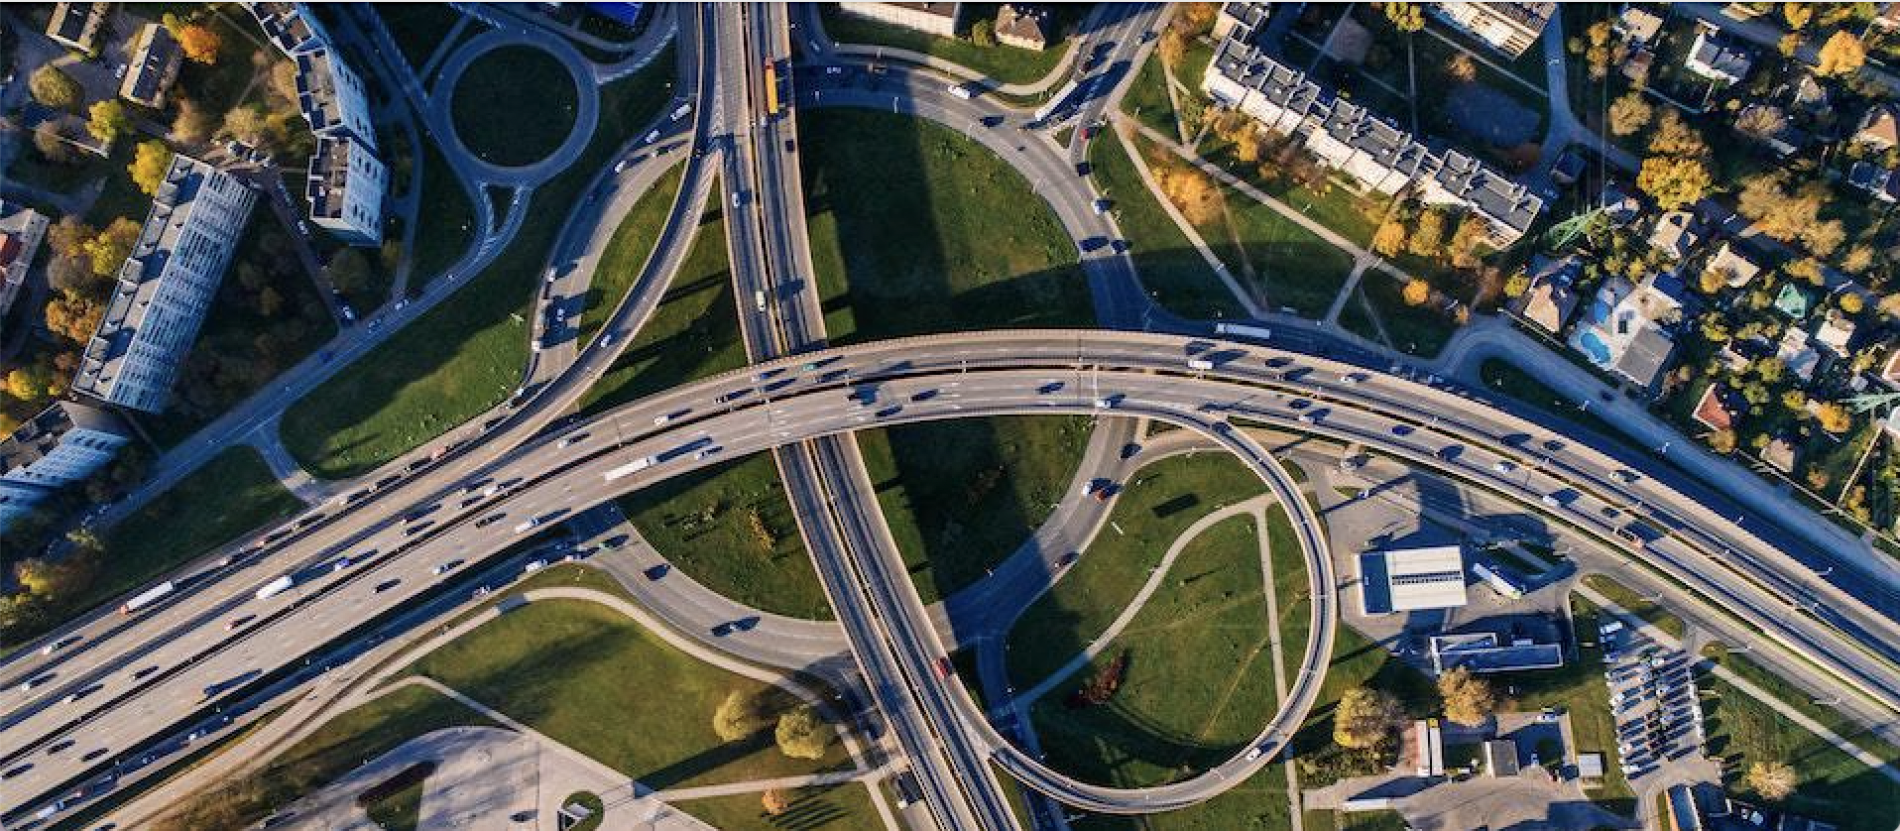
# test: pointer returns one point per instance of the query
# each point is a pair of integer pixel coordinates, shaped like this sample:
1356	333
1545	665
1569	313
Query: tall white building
21	229
63	445
345	190
332	96
165	287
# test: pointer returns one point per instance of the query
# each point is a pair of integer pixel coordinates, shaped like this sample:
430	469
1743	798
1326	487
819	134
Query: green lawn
1292	589
627	251
1578	688
1415	330
1803	701
567	668
514	105
844	807
1006	64
418	28
693	333
731	529
1259	804
341	745
466	354
1147	99
1292	267
917	229
448	226
399	811
961	496
1171	270
1833	787
1159	504
1635	604
1179	710
230	495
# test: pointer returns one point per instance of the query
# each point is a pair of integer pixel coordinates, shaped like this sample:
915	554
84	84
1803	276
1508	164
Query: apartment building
165	287
76	25
1510	28
21	229
346	188
938	19
288	28
156	60
63	445
332	96
1240	20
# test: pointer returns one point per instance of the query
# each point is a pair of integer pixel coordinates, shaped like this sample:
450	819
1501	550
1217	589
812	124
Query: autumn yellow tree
1190	191
1406	17
1833	417
1428	233
1630	114
112	245
1722	441
1365	717
801	734
1389	240
1673	182
149	164
740	715
775	801
1673	136
1416	292
200	43
1775	781
1469	700
1842	54
107	119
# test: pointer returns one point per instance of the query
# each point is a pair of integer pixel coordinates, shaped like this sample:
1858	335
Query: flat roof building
156	59
1510	28
1412	579
76	25
21	229
938	19
332	96
1481	652
165	287
1500	758
64	444
345	190
288	27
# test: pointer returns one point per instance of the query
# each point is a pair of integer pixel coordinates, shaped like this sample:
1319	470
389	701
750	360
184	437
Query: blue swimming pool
1594	348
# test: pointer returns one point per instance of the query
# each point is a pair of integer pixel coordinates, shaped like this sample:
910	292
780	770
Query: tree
1788	45
1858	259
1760	122
107	119
1172	47
775	802
149	165
1462	68
246	123
1428	233
348	271
1833	417
1192	192
1469	700
801	734
50	143
32	383
1842	54
54	88
1673	183
1365	717
1515	285
1852	303
109	249
200	43
1712	280
193	124
1406	17
1630	114
1775	781
1416	292
983	33
73	316
1722	441
1674	137
1467	241
1389	240
740	715
1796	15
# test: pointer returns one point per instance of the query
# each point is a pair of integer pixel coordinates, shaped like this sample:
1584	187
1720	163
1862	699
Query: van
758	301
962	91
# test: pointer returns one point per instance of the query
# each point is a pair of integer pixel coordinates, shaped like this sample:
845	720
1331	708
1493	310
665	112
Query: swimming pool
1594	348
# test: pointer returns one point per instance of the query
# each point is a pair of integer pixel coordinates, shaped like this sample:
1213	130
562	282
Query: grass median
628	250
1642	607
1170	267
467	353
568	667
450	228
1155	507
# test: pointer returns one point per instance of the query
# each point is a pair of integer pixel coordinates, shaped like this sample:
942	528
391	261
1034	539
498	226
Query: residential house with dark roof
1024	26
156	59
1712	56
76	25
1510	28
1551	297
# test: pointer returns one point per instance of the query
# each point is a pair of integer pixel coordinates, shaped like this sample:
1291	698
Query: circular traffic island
514	105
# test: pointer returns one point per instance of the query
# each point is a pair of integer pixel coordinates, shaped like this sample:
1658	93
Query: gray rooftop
159	56
40	435
316	90
330	175
286	26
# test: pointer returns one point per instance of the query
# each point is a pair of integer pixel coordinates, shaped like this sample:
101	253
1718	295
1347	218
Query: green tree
740	715
1428	235
54	88
109	249
983	33
107	119
801	734
349	271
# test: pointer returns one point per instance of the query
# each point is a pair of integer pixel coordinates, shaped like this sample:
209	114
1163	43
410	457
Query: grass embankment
1170	268
514	105
1832	786
1161	501
418	28
230	495
565	668
1421	330
627	251
451	225
1006	64
826	808
466	354
1636	604
961	496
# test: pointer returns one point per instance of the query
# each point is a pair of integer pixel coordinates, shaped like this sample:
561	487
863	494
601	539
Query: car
233	624
607	339
834	70
491	519
620	165
1504	466
93	754
142	672
386	585
348	314
1083	168
1100	206
444	568
16	770
1253	753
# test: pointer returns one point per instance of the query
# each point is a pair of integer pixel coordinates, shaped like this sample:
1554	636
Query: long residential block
165	287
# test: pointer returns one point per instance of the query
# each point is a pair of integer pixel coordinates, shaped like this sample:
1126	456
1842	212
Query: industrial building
1412	579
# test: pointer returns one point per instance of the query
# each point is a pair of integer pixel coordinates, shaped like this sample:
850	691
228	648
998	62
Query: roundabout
512	118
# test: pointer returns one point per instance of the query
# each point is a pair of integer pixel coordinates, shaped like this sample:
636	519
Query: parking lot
1652	695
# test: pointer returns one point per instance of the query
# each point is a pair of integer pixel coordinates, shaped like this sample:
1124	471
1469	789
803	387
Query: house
1590	768
1568	169
345	190
1712	410
1623	332
21	229
1412	579
938	19
1510	28
156	59
1638	26
76	25
1879	127
1024	26
1507	207
1878	181
1240	20
1713	57
1619	207
165	287
1794	301
1890	370
1797	354
1380	156
1550	300
1834	333
1676	234
1779	454
1638	65
1736	269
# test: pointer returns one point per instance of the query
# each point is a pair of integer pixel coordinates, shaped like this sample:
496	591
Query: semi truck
630	468
147	597
1241	330
276	587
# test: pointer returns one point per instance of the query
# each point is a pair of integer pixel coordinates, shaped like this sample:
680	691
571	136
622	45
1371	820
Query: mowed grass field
844	807
627	251
567	668
466	354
